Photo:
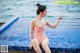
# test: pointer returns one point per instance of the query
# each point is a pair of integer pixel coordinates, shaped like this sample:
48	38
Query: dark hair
40	8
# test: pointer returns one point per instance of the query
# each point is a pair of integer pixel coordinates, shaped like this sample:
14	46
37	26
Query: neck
39	17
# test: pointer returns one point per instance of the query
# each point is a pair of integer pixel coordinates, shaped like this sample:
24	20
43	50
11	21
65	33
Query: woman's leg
45	45
35	44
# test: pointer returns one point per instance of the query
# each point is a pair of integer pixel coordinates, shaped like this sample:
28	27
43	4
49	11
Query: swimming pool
64	37
27	9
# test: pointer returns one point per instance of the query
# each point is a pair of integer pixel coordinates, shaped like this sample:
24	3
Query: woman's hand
60	18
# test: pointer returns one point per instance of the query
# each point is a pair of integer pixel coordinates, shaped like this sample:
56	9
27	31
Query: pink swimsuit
39	32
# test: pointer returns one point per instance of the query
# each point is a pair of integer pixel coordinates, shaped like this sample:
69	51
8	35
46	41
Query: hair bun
38	5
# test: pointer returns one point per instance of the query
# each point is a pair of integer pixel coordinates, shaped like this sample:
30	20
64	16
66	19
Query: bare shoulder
32	21
46	21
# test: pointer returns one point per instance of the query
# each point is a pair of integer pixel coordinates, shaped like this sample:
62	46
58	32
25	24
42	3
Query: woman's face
44	13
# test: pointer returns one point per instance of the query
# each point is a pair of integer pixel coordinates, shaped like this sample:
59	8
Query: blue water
27	9
65	35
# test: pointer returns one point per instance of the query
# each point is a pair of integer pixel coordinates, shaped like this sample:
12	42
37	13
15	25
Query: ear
41	13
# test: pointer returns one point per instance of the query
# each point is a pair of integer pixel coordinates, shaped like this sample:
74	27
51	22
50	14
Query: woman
37	26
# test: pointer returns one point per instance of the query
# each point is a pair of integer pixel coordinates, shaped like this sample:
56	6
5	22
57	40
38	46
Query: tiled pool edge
52	49
8	24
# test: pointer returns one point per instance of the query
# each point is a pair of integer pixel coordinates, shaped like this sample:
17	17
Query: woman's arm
56	23
31	29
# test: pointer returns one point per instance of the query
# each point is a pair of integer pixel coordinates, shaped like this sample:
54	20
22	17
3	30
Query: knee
44	43
34	41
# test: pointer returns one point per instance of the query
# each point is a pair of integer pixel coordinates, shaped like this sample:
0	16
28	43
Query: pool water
27	9
65	35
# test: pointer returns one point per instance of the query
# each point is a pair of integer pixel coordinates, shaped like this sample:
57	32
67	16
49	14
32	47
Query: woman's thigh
46	40
36	41
45	45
